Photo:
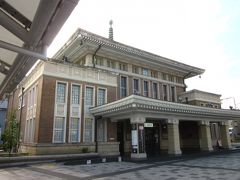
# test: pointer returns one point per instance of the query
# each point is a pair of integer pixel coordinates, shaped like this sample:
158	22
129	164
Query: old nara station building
100	95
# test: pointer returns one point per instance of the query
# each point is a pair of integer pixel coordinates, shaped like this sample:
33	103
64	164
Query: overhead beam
60	16
12	26
5	63
15	14
42	18
21	50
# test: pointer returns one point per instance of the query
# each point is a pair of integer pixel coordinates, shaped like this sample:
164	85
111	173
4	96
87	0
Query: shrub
10	134
85	150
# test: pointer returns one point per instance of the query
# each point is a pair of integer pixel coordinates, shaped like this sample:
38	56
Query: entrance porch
147	127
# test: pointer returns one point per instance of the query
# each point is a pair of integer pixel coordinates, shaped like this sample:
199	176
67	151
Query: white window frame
167	91
65	112
105	94
149	95
139	85
158	94
121	86
174	93
143	68
79	114
91	117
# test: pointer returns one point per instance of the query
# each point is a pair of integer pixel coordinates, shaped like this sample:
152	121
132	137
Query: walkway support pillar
138	137
225	136
173	137
205	136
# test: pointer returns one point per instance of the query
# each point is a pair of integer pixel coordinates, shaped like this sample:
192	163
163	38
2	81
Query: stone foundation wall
108	148
44	149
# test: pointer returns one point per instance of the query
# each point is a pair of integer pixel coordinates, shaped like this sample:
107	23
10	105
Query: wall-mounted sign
148	124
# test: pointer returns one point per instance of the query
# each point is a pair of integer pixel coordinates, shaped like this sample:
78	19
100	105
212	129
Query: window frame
105	95
86	116
127	85
139	86
65	112
157	92
148	88
79	115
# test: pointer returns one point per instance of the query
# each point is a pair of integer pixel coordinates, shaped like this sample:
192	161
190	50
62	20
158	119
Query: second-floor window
123	87
165	94
61	92
136	89
145	88
173	94
89	96
101	97
155	91
75	94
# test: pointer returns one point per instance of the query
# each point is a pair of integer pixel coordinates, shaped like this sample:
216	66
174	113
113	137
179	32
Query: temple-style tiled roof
86	39
135	103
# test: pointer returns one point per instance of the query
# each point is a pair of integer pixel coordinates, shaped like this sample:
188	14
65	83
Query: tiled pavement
223	166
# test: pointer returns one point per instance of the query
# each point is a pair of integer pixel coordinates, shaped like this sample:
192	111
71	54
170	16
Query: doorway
120	137
152	138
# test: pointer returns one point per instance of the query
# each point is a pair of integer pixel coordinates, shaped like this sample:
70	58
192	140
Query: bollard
119	159
103	160
89	162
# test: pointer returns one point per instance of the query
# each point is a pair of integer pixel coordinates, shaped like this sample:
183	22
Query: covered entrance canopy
152	108
140	110
27	25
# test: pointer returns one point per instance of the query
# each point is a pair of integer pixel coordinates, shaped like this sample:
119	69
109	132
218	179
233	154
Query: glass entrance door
152	140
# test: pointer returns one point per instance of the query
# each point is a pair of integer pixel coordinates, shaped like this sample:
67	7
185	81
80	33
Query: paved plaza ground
221	166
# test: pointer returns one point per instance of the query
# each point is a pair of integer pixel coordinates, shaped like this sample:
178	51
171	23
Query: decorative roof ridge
105	41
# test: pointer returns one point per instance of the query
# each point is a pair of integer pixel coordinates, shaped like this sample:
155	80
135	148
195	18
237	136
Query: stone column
138	137
224	130
205	136
173	137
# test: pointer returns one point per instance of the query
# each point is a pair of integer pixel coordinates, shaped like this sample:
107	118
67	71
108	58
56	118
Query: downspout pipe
94	55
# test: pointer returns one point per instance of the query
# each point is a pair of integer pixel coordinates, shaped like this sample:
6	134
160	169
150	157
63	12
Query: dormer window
145	71
99	61
123	66
154	74
164	76
171	78
135	69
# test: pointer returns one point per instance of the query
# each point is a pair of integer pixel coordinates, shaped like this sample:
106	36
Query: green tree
10	135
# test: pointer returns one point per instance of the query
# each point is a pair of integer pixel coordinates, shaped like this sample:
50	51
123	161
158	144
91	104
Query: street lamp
234	102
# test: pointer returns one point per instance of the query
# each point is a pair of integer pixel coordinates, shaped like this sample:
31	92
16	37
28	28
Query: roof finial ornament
111	30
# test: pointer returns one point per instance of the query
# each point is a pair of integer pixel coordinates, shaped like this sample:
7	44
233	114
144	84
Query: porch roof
154	108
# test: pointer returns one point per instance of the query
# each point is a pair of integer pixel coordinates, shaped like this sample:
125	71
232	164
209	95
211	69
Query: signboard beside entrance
149	125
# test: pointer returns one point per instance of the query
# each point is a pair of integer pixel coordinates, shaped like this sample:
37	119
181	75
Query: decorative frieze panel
80	74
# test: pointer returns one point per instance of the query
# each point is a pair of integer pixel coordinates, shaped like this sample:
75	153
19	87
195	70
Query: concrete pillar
224	129
173	137
89	60
205	136
138	137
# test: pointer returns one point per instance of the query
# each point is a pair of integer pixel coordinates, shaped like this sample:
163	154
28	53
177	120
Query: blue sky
200	33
